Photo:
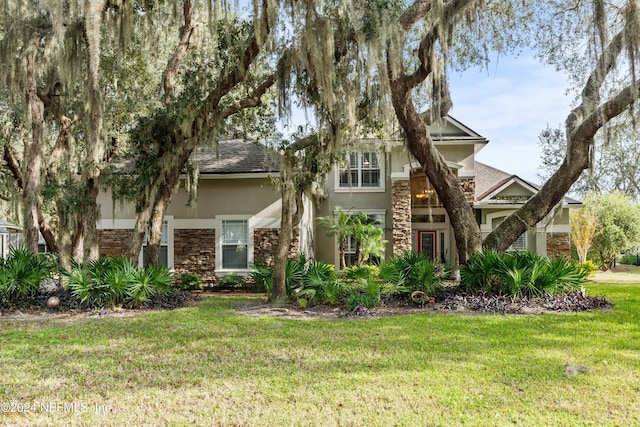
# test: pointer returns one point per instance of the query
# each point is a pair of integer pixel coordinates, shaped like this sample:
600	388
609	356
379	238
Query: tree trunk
65	242
154	238
77	244
95	143
14	168
92	215
466	229
139	229
288	194
162	200
33	160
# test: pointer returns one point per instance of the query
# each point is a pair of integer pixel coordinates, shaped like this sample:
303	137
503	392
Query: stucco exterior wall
215	197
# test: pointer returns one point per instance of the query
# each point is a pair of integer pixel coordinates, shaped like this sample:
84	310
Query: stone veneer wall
401	216
194	252
468	188
558	244
265	241
194	249
114	242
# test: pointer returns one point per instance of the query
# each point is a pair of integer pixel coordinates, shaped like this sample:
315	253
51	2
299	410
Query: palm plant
520	274
21	274
340	225
262	275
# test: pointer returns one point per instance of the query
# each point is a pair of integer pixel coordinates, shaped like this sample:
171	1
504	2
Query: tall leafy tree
584	228
618	227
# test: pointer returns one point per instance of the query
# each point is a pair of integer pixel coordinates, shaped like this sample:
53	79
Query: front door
427	244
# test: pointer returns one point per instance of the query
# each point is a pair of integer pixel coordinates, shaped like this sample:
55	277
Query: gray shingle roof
237	156
489	179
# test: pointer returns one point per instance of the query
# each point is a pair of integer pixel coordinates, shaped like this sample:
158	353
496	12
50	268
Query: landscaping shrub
262	276
415	272
115	281
231	281
369	294
520	274
630	259
152	281
589	267
190	282
319	284
21	274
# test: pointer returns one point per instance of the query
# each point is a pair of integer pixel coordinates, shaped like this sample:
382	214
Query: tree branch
254	98
414	13
13	165
62	141
169	77
451	11
605	112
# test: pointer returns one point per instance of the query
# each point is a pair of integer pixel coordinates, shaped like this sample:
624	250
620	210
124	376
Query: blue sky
510	104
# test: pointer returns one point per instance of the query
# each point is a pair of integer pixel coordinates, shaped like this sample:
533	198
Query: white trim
359	189
413	165
245	175
486	225
508	184
116	224
559	228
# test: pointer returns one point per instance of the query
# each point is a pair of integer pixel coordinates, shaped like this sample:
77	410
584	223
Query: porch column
401	215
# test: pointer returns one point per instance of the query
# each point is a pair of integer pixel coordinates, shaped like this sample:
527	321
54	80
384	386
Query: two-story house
236	220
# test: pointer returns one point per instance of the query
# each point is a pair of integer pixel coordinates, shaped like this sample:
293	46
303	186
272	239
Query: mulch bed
70	308
449	301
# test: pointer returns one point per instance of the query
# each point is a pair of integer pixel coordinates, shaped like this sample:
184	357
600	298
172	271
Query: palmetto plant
520	274
115	281
262	275
21	274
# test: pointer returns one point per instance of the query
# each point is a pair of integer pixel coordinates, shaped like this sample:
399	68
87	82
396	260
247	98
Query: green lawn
208	365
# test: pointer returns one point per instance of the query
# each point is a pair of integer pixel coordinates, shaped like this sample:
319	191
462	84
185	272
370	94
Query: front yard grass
209	365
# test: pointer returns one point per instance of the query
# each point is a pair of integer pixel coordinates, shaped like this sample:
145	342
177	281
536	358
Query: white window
350	252
164	245
363	171
520	244
235	238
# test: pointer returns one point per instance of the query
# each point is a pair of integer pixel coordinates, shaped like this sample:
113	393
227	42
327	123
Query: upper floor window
423	195
362	171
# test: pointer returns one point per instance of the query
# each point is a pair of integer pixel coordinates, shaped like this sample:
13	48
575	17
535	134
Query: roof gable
494	186
510	191
451	130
